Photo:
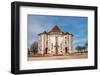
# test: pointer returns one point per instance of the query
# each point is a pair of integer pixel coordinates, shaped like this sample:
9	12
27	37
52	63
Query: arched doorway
46	50
66	50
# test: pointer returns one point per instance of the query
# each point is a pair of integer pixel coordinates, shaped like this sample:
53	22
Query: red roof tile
56	29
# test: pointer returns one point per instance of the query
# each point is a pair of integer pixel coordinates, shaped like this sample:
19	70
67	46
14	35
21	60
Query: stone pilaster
70	44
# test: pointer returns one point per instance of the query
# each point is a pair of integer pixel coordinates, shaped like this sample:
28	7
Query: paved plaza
71	56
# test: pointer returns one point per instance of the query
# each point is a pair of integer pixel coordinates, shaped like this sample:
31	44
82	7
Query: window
65	40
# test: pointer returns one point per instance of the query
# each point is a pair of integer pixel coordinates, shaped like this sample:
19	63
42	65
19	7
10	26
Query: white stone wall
70	43
49	41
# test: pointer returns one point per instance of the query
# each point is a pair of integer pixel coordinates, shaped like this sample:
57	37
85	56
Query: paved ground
73	56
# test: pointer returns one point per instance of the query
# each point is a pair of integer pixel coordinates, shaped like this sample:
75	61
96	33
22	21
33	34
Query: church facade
55	42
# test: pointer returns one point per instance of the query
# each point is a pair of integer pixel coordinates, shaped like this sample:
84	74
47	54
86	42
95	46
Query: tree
85	47
34	47
28	51
82	48
79	48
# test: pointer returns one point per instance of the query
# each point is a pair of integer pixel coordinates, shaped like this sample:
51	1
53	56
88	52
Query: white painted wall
52	43
5	36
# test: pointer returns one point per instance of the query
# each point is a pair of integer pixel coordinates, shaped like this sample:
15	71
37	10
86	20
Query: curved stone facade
55	42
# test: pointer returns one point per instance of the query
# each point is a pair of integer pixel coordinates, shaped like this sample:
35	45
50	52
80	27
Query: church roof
45	32
55	29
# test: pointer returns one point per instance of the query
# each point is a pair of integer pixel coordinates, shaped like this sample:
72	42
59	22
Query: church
55	42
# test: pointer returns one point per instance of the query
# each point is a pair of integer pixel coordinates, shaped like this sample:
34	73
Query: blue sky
76	25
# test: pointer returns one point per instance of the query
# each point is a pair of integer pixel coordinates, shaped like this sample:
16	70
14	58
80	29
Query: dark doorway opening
46	50
66	50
